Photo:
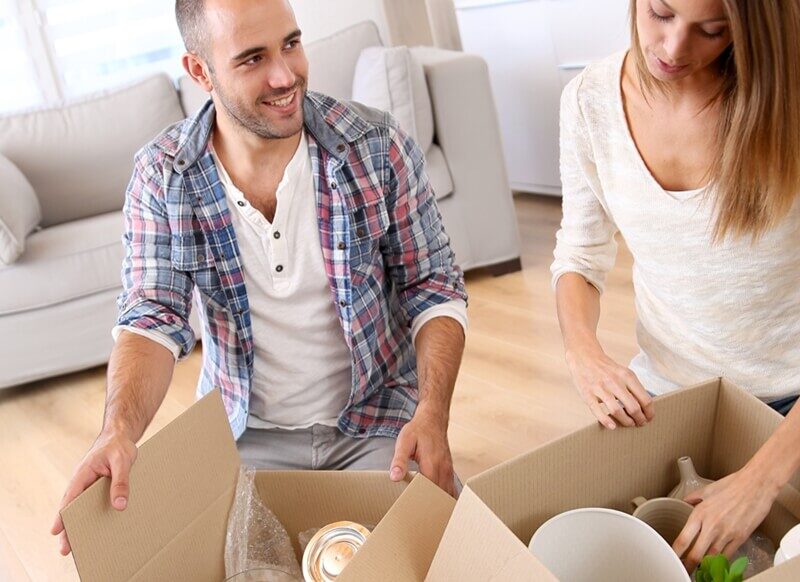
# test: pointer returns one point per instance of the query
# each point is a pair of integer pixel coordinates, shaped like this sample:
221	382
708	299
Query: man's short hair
190	15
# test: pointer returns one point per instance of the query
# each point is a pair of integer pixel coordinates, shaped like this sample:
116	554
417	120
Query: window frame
31	20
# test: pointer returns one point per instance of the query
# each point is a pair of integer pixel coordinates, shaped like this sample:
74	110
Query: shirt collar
292	172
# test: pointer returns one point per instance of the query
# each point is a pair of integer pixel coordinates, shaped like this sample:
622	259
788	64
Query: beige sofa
58	297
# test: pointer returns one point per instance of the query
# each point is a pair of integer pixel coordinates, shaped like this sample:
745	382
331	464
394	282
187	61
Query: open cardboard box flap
183	482
715	423
182	487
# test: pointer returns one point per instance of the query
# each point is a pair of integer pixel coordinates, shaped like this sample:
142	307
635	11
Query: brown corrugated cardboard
182	487
183	483
402	546
715	423
481	547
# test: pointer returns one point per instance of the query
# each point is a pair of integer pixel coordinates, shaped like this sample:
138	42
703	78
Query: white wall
534	48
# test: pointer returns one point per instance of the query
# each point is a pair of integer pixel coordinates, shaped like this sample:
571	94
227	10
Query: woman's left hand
726	513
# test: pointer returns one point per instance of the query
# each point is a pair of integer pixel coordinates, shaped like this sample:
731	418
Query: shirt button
334	185
241	203
341	246
343	303
200	258
340	148
276	234
279	268
360	232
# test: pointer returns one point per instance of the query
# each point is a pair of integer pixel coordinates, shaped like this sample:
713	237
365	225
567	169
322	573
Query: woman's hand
612	392
726	513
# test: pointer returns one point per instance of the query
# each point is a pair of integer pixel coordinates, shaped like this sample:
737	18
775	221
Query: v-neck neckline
679	196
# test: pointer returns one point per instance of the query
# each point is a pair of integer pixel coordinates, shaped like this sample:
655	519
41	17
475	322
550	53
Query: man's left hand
726	513
424	440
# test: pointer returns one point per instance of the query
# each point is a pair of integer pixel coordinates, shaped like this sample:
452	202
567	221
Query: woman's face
681	37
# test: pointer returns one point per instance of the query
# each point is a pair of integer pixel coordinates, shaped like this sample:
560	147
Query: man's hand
139	373
424	440
439	345
726	513
110	456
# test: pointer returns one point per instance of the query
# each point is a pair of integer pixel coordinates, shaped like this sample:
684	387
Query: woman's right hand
612	392
111	455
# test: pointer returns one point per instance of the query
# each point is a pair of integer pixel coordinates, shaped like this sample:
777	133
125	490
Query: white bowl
779	558
790	544
586	545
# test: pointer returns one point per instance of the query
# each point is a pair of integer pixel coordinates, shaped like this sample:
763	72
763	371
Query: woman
689	146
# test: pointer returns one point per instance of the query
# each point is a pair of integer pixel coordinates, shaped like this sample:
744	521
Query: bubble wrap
257	546
305	536
760	551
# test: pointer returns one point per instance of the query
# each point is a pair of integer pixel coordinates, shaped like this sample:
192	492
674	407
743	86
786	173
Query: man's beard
257	124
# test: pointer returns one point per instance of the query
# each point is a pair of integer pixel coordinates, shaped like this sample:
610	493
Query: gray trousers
317	448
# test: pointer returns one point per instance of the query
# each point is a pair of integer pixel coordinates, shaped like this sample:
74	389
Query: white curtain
18	85
100	44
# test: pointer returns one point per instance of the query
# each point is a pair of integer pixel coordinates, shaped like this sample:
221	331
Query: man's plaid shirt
385	251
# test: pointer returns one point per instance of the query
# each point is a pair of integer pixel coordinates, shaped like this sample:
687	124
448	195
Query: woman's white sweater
728	309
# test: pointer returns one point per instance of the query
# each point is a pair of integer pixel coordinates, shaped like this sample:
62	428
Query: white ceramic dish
790	544
779	558
590	544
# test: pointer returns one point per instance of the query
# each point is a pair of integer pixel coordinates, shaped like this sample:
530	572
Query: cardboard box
182	487
183	482
715	423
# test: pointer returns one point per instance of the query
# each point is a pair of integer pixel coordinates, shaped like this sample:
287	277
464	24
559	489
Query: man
333	314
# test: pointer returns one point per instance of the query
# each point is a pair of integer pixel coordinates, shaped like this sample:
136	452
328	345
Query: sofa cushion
79	158
438	172
391	79
65	262
332	60
20	212
58	339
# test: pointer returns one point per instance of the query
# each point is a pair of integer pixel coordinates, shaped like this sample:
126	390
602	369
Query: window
71	48
98	44
19	88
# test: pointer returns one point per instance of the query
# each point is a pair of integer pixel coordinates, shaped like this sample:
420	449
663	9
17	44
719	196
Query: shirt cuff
156	336
456	309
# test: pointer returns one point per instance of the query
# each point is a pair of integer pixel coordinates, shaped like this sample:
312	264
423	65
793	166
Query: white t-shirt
704	309
302	365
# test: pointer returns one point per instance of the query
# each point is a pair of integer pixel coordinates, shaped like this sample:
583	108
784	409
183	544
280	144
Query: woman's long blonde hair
756	169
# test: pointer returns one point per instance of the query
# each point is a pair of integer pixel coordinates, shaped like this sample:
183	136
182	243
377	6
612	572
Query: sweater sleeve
585	242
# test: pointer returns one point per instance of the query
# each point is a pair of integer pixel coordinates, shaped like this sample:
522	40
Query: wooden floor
513	394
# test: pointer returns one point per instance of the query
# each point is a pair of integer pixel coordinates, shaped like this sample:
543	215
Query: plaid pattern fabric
385	251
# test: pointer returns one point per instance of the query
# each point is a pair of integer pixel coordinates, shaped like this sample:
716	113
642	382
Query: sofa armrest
467	130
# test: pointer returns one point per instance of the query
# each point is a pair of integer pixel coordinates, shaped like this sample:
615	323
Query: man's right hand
612	392
111	455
